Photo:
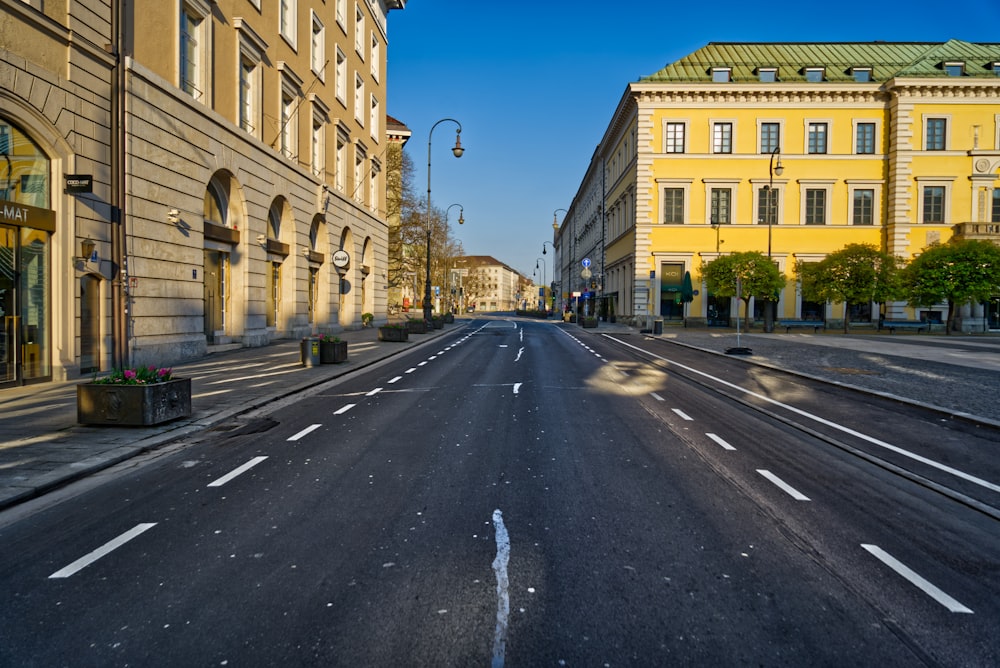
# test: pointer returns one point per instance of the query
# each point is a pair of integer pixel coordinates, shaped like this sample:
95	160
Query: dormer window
954	68
995	66
722	74
862	74
767	74
814	74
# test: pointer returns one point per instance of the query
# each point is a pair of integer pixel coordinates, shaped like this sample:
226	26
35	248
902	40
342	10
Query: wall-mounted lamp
88	250
174	216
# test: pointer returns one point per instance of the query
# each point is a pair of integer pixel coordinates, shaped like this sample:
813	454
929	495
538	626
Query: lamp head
778	169
461	220
457	149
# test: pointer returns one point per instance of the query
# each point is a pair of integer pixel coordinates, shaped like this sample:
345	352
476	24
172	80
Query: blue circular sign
586	262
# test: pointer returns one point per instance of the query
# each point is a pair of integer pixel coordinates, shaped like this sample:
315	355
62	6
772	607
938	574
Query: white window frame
731	122
855	71
780	122
341	13
925	181
340	165
360	156
373	189
359	30
948	125
732	185
779	186
825	185
288	22
854	135
341	82
250	54
829	135
289	98
865	184
722	74
667	122
374	114
772	71
376	57
317	46
359	98
662	185
317	137
200	11
812	71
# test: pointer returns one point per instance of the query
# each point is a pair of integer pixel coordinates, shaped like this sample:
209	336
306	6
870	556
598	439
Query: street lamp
555	221
457	150
772	169
542	260
461	211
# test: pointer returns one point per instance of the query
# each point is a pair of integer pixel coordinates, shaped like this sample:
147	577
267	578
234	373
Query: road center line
503	593
656	396
682	414
921	583
104	550
343	409
517	386
395	380
833	425
236	472
725	446
785	487
311	428
374	392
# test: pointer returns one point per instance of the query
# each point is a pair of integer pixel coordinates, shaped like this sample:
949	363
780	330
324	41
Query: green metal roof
887	60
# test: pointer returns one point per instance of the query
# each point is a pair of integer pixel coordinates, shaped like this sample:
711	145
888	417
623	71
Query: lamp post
545	301
716	227
457	150
771	212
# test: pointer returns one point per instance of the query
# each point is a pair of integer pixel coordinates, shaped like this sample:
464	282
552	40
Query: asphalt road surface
527	494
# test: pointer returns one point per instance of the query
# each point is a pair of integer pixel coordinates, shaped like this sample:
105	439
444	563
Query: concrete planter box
133	405
332	352
416	326
393	334
588	323
437	323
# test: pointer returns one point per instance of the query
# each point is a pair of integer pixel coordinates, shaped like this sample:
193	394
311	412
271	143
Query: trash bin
310	351
658	326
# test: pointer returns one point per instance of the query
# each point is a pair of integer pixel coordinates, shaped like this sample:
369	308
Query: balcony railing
984	231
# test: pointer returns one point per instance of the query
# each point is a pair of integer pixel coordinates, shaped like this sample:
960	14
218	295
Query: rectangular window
865	139
673	205
287	18
934	204
862	74
359	99
722	138
767	205
767	74
359	176
721	74
273	294
373	118
954	69
817	138
815	207
340	179
341	77
288	126
721	206
814	74
318	47
863	208
376	57
675	138
359	30
769	137
318	141
342	14
190	61
936	128
996	206
248	71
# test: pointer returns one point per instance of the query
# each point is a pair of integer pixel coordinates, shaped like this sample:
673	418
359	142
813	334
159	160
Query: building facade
232	188
795	151
483	283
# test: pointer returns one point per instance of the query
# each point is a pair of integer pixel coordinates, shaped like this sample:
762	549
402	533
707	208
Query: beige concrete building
232	158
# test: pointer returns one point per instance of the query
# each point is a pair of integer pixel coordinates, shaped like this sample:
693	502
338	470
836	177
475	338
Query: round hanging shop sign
341	259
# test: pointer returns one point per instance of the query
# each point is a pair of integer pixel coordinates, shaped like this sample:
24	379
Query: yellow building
232	183
792	150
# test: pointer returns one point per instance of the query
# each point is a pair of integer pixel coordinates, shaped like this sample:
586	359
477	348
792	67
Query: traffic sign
586	262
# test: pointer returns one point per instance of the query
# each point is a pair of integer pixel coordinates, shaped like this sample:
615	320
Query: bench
893	325
789	324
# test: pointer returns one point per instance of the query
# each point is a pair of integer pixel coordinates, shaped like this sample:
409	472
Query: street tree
756	274
856	274
954	273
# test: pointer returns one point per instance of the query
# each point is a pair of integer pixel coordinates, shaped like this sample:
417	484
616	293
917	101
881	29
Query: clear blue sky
534	84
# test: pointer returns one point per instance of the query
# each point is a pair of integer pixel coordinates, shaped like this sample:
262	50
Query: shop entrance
24	309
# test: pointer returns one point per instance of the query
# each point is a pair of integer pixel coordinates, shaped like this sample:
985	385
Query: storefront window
24	169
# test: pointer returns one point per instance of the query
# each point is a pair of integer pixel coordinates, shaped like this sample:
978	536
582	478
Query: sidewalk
42	446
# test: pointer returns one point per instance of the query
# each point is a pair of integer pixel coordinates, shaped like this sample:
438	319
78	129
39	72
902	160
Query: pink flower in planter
129	374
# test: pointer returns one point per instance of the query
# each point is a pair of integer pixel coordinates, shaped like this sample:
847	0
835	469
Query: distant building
232	188
483	283
891	144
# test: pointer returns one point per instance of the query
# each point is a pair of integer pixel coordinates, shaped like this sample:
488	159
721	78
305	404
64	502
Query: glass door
8	298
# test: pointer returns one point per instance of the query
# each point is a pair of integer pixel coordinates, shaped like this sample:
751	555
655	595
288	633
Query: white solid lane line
921	583
307	430
725	446
105	549
785	487
236	472
839	427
